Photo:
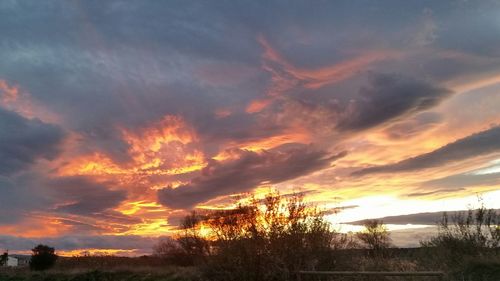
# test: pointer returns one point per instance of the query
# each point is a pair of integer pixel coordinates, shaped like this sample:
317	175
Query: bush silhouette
262	239
3	259
375	237
43	257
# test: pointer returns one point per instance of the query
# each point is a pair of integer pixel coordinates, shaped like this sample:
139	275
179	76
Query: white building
17	260
12	261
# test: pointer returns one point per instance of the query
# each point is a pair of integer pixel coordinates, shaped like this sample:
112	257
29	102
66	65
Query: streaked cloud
478	144
118	116
244	171
24	141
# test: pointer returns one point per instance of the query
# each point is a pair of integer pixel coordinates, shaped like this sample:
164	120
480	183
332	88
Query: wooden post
329	274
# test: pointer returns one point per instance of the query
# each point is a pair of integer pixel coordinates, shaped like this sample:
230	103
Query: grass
120	273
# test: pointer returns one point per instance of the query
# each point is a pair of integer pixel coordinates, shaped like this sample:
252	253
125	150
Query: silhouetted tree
469	235
188	247
269	239
375	237
173	252
3	259
467	245
43	257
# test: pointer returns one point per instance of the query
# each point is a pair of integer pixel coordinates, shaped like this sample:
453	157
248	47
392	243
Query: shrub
268	239
480	270
188	248
172	252
471	235
3	259
43	257
375	237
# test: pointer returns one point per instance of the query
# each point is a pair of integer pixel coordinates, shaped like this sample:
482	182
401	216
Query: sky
119	117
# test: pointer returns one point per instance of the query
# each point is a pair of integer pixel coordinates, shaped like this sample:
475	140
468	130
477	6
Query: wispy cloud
116	117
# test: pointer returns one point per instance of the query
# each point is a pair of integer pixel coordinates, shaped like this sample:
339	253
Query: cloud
410	238
78	242
19	196
24	141
482	143
429	218
244	172
460	181
286	77
389	97
73	200
414	126
8	93
82	195
385	99
240	74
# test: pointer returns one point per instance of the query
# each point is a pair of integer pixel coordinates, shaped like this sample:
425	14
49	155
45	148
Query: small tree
467	245
469	235
193	243
269	239
43	257
375	237
172	252
3	259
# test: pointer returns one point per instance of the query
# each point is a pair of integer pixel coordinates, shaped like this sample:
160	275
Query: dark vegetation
43	257
273	238
468	246
3	259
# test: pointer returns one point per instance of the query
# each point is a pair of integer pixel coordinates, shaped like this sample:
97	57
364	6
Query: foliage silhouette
43	257
468	244
375	237
3	259
262	239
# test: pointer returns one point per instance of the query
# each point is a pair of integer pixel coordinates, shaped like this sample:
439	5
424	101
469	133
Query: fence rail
438	274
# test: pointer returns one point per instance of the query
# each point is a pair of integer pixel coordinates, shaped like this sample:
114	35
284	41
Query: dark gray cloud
105	66
81	195
482	143
374	99
420	218
23	141
27	193
430	218
247	171
460	181
101	61
20	195
389	97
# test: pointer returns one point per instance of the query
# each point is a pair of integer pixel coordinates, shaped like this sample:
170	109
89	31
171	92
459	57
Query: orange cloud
21	102
274	141
98	252
161	149
286	76
164	147
258	105
222	113
94	164
332	74
169	129
36	226
8	94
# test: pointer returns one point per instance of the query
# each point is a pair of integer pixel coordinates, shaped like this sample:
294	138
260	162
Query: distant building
12	261
18	260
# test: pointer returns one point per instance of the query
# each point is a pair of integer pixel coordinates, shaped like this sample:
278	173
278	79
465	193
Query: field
110	268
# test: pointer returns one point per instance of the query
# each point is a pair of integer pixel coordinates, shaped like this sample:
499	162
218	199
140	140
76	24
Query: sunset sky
118	117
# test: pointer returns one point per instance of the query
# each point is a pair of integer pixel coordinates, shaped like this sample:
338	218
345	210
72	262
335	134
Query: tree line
274	237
